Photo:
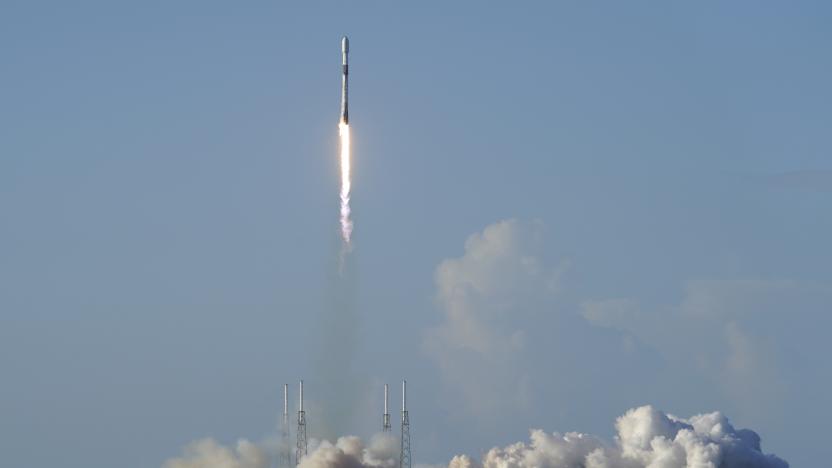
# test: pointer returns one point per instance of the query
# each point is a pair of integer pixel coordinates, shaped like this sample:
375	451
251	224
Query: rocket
345	52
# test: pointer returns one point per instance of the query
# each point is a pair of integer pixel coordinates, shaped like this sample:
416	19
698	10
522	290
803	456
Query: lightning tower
285	450
385	419
404	455
301	447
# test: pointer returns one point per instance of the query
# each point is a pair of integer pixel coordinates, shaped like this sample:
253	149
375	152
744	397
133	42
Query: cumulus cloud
481	295
511	331
646	437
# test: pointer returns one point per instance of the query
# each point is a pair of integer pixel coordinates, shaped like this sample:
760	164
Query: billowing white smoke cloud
350	452
347	452
207	453
645	438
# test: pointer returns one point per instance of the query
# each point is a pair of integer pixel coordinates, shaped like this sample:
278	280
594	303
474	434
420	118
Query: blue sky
169	196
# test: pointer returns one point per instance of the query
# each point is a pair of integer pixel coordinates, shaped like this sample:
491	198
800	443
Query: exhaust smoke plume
645	438
350	452
207	453
346	222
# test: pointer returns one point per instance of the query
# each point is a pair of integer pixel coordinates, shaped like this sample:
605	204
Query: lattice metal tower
285	447
404	455
301	448
385	419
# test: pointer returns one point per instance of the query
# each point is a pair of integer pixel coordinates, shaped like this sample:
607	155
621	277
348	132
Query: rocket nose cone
345	45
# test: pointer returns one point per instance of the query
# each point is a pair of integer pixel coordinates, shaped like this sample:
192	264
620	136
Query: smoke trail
337	379
346	222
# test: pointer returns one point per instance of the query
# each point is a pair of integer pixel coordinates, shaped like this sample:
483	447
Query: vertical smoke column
344	132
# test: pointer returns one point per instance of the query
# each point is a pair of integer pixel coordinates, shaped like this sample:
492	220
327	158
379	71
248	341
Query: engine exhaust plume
346	222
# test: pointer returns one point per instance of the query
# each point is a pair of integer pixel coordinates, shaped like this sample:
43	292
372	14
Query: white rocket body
345	52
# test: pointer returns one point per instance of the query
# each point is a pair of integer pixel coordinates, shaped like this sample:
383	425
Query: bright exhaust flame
346	222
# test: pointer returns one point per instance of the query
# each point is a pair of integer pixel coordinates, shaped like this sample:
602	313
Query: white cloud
646	437
346	452
610	312
721	332
499	278
509	326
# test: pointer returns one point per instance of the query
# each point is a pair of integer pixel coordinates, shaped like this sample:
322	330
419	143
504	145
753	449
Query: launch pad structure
385	417
301	445
285	454
404	455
